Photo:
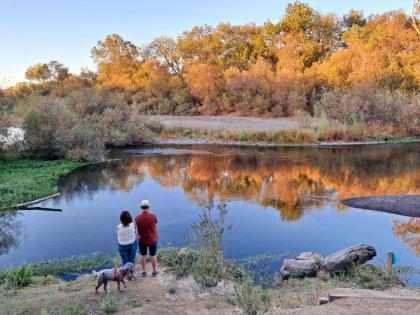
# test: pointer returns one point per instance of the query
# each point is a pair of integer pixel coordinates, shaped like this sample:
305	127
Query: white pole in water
388	265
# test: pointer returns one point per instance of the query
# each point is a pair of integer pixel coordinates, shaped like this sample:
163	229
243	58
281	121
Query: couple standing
142	232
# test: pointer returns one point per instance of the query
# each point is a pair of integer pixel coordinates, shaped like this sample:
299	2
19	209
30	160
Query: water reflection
291	181
10	230
409	232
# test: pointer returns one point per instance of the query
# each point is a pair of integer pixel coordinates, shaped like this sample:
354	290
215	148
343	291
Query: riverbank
25	180
226	130
167	294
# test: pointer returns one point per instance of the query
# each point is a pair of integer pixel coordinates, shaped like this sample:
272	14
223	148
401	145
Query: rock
304	265
344	259
182	251
307	264
309	255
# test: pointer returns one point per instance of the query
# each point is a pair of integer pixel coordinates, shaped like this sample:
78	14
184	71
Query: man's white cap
145	203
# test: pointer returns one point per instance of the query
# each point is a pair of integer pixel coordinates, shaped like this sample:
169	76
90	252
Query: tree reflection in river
409	232
10	229
290	180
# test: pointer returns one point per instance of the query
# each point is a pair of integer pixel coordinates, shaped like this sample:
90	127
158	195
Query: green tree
43	72
39	72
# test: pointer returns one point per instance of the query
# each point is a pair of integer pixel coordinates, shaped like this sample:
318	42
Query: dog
118	274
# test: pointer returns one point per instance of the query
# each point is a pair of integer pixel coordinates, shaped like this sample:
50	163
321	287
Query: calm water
279	201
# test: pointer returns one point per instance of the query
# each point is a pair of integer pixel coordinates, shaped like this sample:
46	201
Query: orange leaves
205	82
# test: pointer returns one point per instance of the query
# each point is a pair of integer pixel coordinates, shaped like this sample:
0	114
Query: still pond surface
282	200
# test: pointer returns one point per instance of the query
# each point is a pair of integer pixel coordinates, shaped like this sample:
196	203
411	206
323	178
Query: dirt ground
165	294
226	122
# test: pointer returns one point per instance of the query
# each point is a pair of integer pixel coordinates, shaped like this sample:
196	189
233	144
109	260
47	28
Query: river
279	200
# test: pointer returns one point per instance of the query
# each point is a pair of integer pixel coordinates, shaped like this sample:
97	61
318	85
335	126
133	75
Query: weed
134	303
72	310
367	277
19	277
179	264
208	268
251	298
172	290
109	304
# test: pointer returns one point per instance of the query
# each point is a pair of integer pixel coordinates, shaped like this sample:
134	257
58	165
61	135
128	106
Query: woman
126	233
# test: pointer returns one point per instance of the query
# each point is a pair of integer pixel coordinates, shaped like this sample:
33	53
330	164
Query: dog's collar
123	273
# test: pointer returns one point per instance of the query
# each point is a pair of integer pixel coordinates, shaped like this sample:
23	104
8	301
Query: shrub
180	264
19	277
75	309
172	290
208	268
371	105
251	298
53	131
109	304
368	277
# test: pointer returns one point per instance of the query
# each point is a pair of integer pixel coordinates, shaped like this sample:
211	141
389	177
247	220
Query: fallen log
307	264
346	258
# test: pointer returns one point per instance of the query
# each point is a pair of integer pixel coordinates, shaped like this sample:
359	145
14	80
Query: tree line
354	69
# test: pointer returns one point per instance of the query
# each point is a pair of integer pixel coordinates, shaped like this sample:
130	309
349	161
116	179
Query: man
146	227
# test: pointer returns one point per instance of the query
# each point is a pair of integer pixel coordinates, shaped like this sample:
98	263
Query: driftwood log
307	264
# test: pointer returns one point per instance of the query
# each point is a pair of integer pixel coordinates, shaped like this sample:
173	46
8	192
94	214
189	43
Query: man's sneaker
154	273
143	273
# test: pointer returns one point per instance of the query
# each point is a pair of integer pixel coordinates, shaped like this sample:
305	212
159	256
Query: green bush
19	277
208	268
51	130
109	304
251	298
180	265
367	277
75	309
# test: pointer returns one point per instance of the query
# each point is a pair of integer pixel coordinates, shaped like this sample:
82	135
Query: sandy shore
226	122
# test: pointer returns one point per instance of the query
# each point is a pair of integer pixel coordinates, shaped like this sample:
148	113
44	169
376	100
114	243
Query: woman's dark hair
126	218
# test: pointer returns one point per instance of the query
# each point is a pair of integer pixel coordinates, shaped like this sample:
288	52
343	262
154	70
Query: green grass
26	180
54	267
109	304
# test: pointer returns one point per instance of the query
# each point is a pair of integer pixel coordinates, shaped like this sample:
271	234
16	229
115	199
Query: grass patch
367	277
26	180
172	290
109	304
19	277
53	267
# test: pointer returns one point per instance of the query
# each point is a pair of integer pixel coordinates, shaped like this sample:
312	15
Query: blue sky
43	30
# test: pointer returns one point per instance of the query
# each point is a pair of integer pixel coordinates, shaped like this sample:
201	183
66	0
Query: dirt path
226	122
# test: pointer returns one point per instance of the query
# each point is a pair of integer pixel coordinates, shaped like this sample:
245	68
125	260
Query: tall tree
165	49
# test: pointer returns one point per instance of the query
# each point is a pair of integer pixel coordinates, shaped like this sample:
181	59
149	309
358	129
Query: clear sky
65	30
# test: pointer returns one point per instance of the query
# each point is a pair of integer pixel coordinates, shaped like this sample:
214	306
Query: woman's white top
126	234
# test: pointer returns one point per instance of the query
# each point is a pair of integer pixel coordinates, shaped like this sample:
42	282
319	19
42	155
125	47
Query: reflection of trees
119	175
409	232
285	179
10	229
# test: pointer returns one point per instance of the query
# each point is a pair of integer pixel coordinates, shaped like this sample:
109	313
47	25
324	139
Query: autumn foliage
297	64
